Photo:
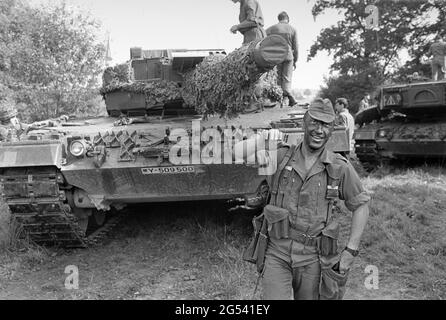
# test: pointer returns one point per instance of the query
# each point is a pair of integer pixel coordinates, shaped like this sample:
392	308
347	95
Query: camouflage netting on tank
267	87
220	84
120	73
156	93
224	85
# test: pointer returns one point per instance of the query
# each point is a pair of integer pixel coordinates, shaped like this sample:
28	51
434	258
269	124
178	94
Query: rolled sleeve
351	189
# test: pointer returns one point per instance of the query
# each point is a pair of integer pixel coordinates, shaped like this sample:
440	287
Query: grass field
182	254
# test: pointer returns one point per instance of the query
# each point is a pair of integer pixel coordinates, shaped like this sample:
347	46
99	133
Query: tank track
367	153
40	212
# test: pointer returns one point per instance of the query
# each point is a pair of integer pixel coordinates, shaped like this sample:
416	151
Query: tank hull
54	195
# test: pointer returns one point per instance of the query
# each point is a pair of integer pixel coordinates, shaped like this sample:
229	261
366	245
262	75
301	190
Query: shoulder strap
274	188
332	188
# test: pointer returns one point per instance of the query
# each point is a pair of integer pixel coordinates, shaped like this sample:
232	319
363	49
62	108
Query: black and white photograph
217	155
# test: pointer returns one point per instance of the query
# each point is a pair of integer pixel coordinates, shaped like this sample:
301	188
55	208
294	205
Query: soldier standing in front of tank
438	63
251	21
301	259
286	68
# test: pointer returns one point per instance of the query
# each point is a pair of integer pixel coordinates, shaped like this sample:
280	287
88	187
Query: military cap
7	110
321	110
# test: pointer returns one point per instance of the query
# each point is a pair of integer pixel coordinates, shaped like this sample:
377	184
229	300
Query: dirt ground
176	255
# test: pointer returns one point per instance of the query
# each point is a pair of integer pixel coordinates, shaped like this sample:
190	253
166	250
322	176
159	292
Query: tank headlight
382	133
78	148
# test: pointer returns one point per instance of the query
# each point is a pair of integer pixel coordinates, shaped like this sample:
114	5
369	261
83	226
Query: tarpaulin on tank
272	51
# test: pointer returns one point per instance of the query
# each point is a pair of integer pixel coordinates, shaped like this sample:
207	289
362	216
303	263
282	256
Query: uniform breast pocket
286	176
333	180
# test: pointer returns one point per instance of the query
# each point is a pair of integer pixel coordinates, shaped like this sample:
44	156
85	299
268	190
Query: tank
66	183
408	122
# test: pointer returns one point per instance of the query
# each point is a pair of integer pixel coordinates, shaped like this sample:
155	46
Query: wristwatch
351	251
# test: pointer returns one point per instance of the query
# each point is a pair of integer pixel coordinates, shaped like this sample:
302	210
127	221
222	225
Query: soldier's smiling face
317	132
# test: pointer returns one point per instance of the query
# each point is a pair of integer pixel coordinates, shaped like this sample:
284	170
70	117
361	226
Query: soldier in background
344	118
285	69
10	125
11	128
251	21
438	63
364	103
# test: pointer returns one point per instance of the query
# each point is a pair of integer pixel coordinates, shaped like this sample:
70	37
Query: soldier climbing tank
409	122
66	180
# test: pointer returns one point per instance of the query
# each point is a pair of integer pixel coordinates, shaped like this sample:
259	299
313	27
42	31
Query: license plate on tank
168	170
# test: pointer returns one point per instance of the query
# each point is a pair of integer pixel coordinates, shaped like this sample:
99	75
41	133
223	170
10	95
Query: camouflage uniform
298	214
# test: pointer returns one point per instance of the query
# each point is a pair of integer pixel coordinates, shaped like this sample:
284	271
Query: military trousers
253	34
437	72
285	76
283	282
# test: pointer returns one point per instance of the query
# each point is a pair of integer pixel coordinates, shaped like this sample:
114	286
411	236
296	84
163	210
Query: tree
366	56
353	87
51	58
406	24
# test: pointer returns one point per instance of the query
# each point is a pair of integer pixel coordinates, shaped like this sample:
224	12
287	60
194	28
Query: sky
203	24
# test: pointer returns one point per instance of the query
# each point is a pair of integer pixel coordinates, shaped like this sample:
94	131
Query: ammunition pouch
279	227
333	283
273	222
277	218
256	250
328	246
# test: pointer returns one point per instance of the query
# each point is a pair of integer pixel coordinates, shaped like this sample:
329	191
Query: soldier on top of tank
251	21
438	63
286	68
11	128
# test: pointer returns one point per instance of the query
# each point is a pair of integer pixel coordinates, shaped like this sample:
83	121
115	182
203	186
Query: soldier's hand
234	29
345	261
